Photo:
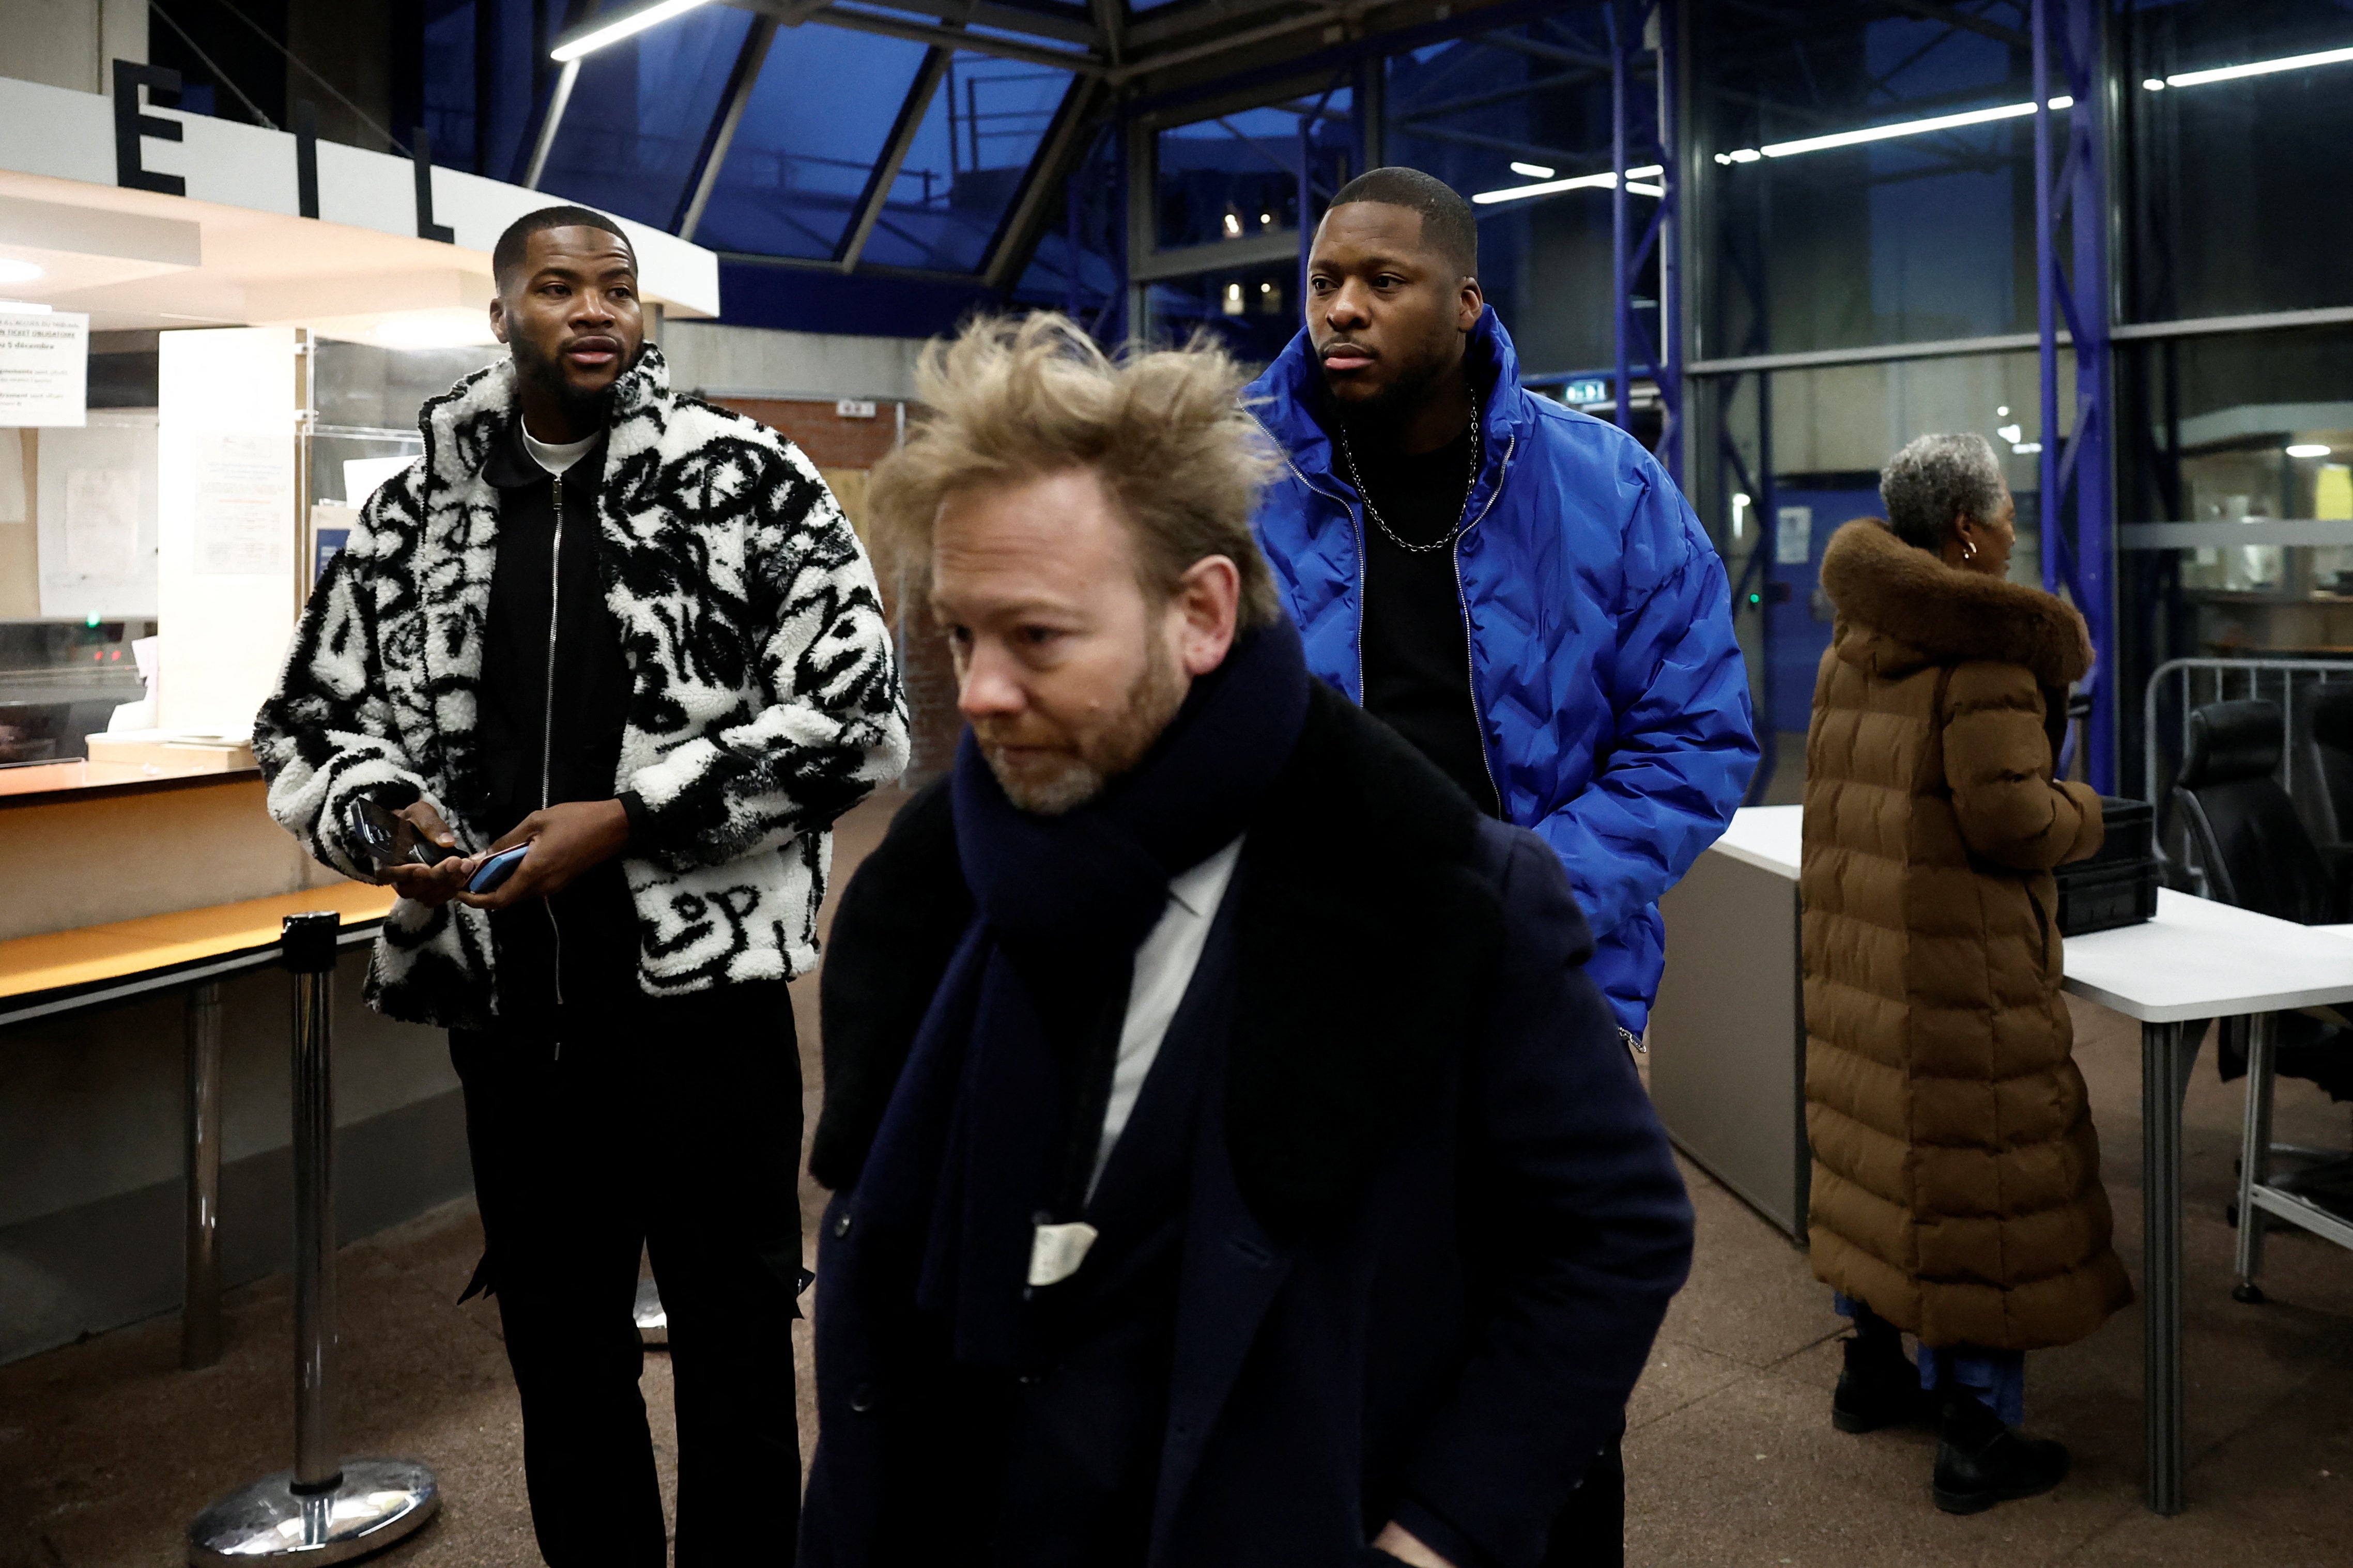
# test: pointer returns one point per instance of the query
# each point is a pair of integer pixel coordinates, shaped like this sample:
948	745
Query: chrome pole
326	1509
200	1317
309	943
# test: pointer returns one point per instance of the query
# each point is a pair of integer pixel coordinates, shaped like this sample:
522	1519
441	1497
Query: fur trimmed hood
1912	609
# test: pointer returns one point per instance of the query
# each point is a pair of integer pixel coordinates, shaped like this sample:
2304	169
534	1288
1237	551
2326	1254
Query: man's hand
565	840
431	886
1401	1544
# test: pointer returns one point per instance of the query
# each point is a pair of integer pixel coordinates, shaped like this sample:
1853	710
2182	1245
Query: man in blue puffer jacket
1517	587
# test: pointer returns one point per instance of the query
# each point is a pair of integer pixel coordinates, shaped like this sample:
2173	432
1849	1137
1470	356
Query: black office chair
2251	849
2246	842
2328	720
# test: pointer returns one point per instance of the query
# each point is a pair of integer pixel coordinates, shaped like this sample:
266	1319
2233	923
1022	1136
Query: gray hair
1937	479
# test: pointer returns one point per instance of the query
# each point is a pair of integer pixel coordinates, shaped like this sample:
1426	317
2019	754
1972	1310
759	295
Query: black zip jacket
554	695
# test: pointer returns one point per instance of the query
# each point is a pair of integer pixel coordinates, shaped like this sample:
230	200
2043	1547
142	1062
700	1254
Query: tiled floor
107	1449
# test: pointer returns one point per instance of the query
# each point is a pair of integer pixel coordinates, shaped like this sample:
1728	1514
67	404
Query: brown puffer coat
1957	1177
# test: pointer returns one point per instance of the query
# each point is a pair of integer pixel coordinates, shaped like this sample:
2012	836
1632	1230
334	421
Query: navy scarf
1061	904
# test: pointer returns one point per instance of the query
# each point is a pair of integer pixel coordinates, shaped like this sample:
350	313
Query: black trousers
672	1126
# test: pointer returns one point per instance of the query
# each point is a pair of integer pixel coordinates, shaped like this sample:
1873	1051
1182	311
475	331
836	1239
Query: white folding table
2195	963
2198	961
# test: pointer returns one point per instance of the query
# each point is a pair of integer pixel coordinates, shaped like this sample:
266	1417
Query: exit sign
1592	389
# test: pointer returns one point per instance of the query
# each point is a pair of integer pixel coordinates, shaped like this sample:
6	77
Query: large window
1845	205
2234	181
815	124
640	114
967	162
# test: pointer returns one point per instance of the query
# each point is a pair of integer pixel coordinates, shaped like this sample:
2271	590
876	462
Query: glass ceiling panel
818	116
967	162
639	113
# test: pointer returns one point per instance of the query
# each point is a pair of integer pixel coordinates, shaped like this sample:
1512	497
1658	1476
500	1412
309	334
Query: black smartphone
391	840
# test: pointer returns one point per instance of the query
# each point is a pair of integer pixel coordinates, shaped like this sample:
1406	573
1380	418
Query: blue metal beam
2078	540
1637	141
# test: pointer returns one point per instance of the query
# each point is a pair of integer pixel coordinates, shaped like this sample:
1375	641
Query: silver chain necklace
1348	455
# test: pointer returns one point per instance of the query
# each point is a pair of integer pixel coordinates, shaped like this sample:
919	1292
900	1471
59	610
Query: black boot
1880	1387
1982	1462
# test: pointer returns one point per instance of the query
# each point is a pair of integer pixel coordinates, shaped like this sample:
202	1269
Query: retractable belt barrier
326	1509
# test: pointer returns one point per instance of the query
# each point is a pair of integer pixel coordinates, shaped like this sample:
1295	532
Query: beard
585	410
1065	781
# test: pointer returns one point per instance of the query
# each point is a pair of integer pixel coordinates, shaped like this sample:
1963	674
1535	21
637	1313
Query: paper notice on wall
245	506
44	369
102	521
1793	535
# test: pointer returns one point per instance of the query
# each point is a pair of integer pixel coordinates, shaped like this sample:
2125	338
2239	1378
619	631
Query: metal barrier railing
2220	677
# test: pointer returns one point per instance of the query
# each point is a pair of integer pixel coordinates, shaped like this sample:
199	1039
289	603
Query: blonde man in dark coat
1956	1176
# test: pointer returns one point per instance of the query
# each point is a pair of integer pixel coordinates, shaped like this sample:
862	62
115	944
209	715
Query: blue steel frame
2078	546
1629	21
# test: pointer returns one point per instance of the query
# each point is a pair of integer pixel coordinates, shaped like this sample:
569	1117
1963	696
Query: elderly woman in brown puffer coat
1956	1178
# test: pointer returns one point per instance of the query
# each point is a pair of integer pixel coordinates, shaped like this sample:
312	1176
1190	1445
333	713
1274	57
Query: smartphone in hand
390	839
493	873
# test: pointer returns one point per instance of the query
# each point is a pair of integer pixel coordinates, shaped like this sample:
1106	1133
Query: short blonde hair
1015	399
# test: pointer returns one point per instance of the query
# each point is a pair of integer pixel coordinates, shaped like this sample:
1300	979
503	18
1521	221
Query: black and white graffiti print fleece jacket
763	698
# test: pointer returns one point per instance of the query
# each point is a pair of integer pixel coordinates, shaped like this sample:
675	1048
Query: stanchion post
310	949
326	1509
200	1317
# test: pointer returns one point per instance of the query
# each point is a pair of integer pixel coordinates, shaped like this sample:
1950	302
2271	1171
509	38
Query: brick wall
844	450
831	441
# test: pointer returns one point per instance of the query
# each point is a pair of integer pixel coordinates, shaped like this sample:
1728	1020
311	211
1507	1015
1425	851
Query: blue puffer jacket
1609	688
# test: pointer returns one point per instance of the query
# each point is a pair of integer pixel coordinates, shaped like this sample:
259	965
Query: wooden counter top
96	955
43	783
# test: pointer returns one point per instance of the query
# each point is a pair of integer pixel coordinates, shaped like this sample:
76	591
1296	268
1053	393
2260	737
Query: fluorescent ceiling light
2307	449
1533	170
2260	67
1603	181
636	22
22	307
13	272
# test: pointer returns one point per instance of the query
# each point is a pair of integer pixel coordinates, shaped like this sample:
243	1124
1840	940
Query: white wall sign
44	369
1793	535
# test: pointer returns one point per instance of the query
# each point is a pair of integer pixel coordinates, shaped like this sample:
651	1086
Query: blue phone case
497	869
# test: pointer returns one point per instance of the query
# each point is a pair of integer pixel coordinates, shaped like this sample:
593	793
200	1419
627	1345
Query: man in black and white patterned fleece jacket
635	633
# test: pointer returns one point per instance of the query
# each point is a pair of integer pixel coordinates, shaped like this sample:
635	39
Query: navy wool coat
1433	1223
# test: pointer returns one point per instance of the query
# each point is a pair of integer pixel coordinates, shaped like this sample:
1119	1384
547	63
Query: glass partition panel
640	113
2235	500
2234	136
966	163
1871	181
818	116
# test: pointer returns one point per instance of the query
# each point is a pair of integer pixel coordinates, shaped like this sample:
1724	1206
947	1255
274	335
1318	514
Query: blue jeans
1998	1378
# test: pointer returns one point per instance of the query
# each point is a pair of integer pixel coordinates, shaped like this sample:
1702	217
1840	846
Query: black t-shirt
1417	641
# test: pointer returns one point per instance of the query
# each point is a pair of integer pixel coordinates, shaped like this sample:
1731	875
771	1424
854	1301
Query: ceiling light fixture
2307	449
1534	171
622	28
2260	67
1603	181
1889	132
14	272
